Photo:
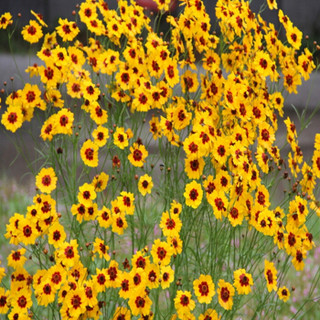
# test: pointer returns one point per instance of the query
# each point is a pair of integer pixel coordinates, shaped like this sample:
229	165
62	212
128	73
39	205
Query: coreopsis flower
176	243
139	280
140	260
270	274
112	275
126	285
67	254
12	119
225	294
89	153
126	202
294	36
119	223
193	194
20	300
272	4
104	217
16	259
210	314
175	208
298	258
122	313
219	203
79	210
120	138
161	252
183	303
145	184
100	182
45	293
97	114
242	281
100	136
189	82
101	249
46	180
4	301
28	232
172	73
5	20
74	303
194	167
137	155
170	224
100	280
86	194
292	79
283	293
204	288
140	304
166	276
236	214
32	32
67	30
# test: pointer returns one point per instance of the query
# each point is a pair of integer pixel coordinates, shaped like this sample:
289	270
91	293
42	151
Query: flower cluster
141	130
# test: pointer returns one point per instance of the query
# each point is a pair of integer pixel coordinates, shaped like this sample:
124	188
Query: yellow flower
12	119
161	252
46	180
122	313
16	259
270	274
194	166
140	304
283	294
137	155
225	293
89	154
242	281
100	248
145	184
183	303
86	194
166	276
193	194
32	32
189	82
272	4
5	20
100	182
4	298
67	30
204	288
170	225
210	314
100	136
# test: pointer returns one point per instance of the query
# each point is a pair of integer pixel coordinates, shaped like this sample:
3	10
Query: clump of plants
158	194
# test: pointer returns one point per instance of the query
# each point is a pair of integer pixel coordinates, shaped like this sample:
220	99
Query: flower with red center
283	293
68	254
32	32
210	314
75	301
183	303
100	248
170	224
16	259
104	217
137	155
4	301
12	119
89	153
145	184
161	252
46	180
204	288
193	194
270	274
28	232
189	82
100	136
21	300
140	304
225	293
120	138
242	281
122	313
126	202
113	275
67	30
100	280
119	222
194	166
5	20
86	194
